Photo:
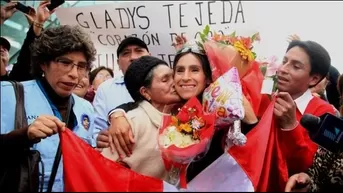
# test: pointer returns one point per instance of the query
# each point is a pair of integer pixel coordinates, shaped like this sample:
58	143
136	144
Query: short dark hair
95	72
57	41
320	60
140	73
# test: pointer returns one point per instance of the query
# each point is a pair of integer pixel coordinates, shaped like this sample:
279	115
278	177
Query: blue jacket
36	104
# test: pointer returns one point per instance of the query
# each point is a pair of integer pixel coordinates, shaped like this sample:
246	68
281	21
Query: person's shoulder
110	86
112	82
24	83
7	86
316	100
83	102
137	119
319	105
137	113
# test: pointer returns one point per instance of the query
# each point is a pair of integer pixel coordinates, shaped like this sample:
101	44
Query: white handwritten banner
157	24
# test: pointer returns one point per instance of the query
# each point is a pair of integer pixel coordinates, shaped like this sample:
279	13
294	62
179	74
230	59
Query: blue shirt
36	104
109	95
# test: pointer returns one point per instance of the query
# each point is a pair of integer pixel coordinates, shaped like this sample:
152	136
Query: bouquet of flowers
183	137
227	51
233	66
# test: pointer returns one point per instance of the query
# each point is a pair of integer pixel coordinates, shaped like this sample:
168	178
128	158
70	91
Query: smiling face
190	79
101	77
82	88
62	80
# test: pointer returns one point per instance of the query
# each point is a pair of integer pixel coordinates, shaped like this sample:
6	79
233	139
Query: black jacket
21	70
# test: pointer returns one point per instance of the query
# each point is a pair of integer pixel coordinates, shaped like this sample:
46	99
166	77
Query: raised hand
7	11
285	111
180	40
43	13
31	16
293	37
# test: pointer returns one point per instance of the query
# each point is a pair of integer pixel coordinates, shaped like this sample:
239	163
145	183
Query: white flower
195	124
171	136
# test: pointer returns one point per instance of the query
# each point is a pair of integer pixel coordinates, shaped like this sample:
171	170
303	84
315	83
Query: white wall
318	21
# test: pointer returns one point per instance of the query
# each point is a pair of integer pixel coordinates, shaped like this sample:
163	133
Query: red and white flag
256	167
86	170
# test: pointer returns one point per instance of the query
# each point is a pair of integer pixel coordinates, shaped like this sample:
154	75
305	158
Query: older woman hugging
150	83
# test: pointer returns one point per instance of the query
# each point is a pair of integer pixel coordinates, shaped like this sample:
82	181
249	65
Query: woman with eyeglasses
89	84
61	57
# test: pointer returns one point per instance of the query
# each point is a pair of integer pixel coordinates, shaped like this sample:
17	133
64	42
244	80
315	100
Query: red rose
183	117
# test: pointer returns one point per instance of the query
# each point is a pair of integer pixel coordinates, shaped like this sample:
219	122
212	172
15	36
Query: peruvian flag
256	167
86	170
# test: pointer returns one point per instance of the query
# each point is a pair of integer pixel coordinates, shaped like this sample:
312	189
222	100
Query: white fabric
303	101
224	174
169	188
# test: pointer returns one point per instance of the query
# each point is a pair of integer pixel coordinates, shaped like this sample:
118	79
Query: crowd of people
120	116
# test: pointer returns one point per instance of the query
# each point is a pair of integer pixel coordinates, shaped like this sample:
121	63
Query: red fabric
252	85
90	95
271	155
86	170
297	146
261	157
265	101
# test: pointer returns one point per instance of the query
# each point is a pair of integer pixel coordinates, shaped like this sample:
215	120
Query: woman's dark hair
140	73
340	84
340	90
320	60
57	41
95	72
203	60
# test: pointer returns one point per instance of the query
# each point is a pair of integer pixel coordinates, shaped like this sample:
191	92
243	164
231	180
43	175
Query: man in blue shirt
113	92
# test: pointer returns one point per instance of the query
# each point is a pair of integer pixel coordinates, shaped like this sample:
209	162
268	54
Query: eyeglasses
101	76
68	65
194	48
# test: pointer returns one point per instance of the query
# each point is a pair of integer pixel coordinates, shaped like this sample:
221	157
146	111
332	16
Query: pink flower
272	66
